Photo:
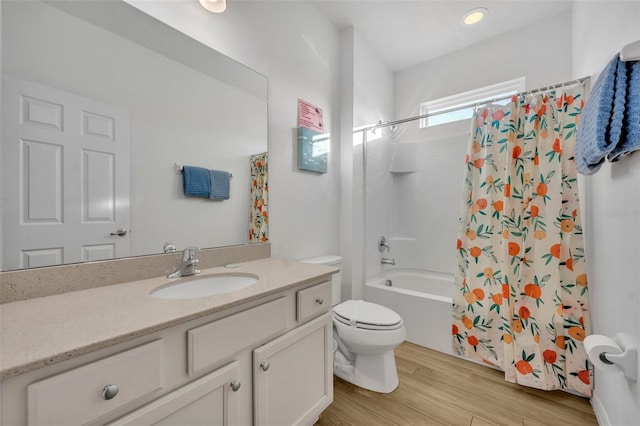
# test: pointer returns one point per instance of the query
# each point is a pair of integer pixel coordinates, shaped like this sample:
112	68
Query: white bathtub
423	300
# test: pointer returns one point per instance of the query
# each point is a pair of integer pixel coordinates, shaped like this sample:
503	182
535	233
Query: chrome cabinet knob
264	365
120	232
319	301
235	385
110	392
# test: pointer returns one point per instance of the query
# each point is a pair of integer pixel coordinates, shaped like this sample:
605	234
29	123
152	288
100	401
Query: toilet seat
366	315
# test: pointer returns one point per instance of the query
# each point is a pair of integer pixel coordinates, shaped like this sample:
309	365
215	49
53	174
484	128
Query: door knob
120	232
264	365
235	385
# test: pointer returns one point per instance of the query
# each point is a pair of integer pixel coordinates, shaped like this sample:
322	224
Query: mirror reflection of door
66	159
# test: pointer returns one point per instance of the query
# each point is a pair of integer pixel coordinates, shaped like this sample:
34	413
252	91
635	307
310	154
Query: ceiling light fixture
215	6
474	15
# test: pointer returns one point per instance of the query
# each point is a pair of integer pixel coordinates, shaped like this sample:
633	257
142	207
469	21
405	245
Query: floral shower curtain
259	193
520	299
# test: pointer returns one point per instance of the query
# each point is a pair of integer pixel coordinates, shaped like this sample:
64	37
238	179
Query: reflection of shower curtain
520	298
259	218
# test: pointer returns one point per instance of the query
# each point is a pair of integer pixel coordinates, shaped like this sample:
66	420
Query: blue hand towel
219	185
601	118
197	182
630	138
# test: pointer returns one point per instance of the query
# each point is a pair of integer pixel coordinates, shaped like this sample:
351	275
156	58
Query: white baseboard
598	409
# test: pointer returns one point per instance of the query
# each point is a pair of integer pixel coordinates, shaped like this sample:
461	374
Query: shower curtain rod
476	104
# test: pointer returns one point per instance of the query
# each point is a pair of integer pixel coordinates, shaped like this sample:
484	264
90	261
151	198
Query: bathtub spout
387	261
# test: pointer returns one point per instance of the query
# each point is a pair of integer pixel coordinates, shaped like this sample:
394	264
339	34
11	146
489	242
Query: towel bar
179	169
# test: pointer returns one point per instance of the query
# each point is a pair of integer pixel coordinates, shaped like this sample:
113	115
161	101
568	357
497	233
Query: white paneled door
65	166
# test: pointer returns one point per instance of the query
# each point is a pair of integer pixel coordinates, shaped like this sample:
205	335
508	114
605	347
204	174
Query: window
460	106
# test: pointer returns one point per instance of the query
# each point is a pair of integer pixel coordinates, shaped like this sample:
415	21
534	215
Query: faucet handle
383	244
189	253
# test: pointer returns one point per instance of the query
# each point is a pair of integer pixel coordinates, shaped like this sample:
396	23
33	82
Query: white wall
538	51
348	234
366	96
298	50
612	230
372	102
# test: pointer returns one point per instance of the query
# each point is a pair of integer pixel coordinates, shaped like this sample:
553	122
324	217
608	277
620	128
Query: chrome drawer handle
264	365
110	392
235	385
319	301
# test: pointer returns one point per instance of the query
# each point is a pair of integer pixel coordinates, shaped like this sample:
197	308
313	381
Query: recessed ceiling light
215	6
474	15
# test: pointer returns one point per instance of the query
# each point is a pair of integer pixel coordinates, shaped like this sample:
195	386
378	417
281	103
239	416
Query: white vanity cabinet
207	371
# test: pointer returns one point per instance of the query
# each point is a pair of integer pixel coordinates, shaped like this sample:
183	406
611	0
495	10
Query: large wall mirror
100	102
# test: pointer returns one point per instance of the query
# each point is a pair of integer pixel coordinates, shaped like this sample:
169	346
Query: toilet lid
366	315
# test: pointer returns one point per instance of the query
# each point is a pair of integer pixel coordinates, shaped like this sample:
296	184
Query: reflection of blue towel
219	185
630	138
601	120
197	182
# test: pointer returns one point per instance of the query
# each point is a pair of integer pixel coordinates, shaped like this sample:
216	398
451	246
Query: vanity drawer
77	396
213	342
313	301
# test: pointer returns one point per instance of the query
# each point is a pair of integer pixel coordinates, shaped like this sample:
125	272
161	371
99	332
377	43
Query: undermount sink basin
204	286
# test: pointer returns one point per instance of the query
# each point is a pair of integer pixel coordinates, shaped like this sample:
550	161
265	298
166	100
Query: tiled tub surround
46	330
47	281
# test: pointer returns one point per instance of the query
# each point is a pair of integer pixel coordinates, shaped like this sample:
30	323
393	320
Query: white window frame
458	103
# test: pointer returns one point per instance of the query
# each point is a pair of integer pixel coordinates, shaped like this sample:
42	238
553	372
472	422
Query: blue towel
619	101
601	118
197	182
219	185
630	138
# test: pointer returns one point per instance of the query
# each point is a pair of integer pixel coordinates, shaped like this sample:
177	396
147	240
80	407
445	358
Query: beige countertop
46	330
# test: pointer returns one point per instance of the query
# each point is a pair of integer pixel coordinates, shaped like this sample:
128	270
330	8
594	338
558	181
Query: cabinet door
293	375
210	400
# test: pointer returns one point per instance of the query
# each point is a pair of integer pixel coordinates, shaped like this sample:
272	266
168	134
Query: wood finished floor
439	389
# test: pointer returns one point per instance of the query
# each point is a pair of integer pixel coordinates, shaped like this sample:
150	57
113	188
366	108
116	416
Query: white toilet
366	334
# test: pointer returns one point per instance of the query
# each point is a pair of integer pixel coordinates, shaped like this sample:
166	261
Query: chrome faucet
387	261
189	264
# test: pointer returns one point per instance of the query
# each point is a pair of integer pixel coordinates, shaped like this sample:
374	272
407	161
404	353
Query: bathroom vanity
115	355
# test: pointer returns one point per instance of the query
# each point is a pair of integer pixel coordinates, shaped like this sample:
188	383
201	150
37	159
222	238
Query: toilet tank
336	280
